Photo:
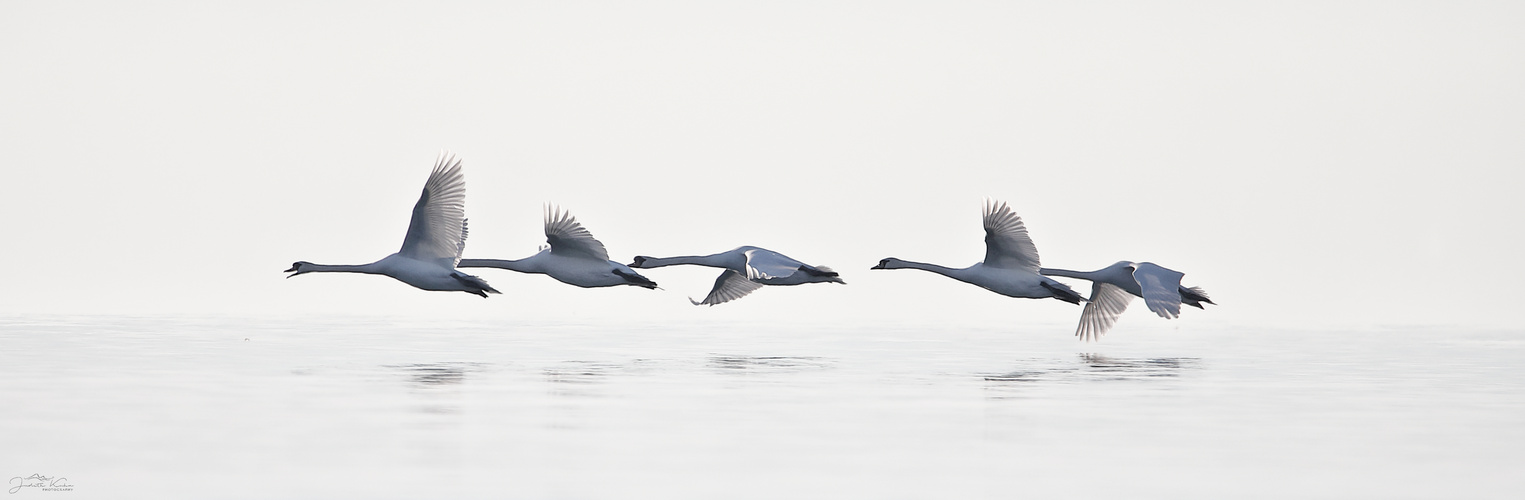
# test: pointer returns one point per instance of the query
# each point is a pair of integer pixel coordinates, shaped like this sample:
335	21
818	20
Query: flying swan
1011	265
1114	286
436	236
574	257
746	270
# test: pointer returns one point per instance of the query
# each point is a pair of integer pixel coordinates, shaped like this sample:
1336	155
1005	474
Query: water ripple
1096	367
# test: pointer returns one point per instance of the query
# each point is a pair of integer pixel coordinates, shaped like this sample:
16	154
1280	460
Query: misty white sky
1318	164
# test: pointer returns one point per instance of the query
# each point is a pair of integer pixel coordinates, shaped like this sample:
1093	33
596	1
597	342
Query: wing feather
568	237
767	264
1007	244
730	286
1161	288
1107	302
437	231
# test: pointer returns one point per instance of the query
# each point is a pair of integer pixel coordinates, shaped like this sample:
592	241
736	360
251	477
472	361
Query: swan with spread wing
436	236
746	270
1010	267
573	257
1114	286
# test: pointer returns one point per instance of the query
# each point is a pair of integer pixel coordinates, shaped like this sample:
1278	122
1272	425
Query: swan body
436	236
1009	282
1114	286
574	257
747	269
1011	264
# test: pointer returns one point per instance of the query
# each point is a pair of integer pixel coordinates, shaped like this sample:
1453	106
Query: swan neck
943	270
1085	275
341	268
520	265
700	260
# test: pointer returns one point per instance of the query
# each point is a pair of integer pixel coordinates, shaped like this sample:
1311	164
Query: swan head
639	262
889	263
298	267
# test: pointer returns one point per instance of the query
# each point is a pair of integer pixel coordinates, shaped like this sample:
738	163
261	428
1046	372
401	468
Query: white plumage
436	236
1114	286
746	270
1011	264
574	257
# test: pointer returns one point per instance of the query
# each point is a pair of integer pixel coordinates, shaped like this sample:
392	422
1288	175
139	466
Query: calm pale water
346	408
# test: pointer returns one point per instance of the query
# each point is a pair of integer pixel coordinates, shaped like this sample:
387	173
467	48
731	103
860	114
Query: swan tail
823	272
1195	297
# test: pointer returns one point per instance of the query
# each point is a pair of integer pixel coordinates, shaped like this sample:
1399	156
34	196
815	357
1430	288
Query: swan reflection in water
430	375
768	364
578	378
437	387
1096	367
580	372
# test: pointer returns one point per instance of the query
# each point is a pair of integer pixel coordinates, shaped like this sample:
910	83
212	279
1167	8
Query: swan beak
293	268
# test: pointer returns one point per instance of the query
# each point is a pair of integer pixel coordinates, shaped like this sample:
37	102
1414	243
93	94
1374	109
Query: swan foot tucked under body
477	285
1063	292
636	279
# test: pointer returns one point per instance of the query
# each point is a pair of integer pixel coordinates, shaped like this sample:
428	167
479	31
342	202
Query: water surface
357	408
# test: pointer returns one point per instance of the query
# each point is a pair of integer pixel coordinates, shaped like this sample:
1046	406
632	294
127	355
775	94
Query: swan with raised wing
746	270
574	257
1011	264
436	236
1114	286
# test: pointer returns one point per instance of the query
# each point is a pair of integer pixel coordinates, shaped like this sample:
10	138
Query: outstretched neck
521	265
1085	275
341	268
950	272
715	260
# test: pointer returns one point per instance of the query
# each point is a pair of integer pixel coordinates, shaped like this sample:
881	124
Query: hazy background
1316	164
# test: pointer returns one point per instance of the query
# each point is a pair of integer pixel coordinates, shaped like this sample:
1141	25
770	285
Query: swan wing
568	237
1161	288
437	232
1007	244
767	264
730	286
1107	302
